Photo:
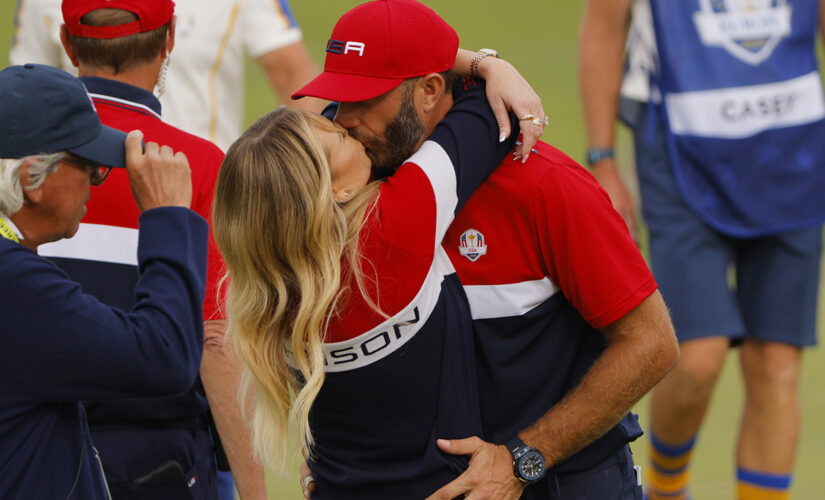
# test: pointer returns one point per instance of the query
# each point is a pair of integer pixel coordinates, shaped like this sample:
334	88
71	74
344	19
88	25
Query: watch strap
517	447
595	155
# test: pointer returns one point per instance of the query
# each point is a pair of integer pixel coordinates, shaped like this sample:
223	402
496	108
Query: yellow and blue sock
755	485
668	476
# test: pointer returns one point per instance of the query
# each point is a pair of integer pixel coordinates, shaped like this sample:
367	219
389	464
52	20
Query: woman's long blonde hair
283	236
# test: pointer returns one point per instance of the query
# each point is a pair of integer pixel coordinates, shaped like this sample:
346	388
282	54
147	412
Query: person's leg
778	285
690	262
770	423
769	432
677	408
679	402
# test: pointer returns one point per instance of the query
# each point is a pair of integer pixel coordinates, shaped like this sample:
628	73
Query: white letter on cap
355	47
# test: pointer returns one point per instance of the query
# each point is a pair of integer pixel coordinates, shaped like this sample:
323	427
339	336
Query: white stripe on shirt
512	299
438	168
96	242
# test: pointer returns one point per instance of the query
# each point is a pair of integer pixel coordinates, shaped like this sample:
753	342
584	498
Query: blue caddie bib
744	110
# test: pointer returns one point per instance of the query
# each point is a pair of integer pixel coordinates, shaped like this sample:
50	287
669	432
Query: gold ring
537	121
528	116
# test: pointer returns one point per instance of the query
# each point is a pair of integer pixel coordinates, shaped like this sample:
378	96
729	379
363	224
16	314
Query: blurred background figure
729	155
202	90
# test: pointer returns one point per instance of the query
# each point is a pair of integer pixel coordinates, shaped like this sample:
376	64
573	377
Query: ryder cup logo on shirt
748	29
472	244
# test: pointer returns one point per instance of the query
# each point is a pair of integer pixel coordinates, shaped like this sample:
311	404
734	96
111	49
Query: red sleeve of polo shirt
587	248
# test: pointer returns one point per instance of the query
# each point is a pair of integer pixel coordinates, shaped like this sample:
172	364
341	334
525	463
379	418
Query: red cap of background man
151	14
376	45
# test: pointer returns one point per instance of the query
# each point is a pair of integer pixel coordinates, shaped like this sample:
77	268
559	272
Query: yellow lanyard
7	232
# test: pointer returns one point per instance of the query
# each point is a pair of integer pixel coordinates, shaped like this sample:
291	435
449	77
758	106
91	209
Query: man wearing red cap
570	328
203	89
159	448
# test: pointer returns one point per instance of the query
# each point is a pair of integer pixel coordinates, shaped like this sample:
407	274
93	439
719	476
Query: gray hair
11	190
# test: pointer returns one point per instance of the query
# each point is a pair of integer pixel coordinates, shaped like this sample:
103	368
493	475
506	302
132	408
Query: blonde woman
344	308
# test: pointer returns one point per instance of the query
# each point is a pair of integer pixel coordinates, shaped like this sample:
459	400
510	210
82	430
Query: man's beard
400	141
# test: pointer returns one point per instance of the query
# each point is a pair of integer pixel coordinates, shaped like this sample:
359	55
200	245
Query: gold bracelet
481	54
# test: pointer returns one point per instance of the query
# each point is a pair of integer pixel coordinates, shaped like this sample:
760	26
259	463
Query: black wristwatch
529	465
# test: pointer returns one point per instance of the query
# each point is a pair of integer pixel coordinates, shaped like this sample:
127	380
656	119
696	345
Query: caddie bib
744	110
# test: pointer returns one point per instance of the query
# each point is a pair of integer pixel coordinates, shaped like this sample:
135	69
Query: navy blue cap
46	110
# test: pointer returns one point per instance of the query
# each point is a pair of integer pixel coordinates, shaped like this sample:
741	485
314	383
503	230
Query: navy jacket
62	346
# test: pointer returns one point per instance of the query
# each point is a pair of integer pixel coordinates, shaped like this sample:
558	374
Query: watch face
532	466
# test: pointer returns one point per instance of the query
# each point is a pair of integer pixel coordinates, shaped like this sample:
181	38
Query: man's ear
30	196
430	91
170	36
64	39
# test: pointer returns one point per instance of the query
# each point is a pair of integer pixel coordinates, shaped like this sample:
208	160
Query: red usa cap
376	45
151	14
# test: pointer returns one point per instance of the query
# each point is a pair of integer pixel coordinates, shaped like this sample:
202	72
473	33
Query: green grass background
540	38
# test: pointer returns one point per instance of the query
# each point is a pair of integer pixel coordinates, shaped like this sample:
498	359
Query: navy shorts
715	285
164	463
614	479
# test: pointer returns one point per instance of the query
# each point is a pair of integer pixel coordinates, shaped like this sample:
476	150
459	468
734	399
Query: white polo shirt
642	55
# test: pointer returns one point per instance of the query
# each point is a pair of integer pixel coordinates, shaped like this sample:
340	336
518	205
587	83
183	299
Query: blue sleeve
330	110
64	345
469	136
